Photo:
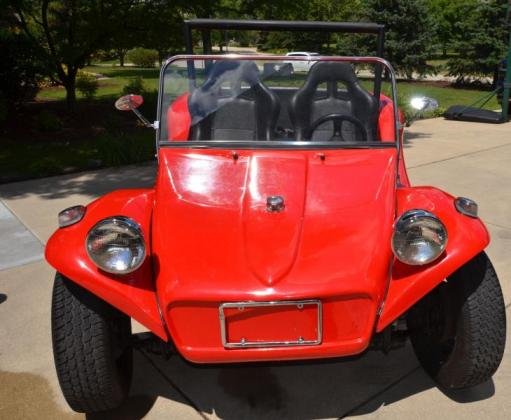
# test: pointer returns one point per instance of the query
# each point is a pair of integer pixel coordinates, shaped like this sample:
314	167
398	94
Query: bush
3	109
142	57
118	149
48	122
135	86
87	84
20	70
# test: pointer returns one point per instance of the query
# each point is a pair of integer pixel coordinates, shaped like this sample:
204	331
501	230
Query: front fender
134	293
466	238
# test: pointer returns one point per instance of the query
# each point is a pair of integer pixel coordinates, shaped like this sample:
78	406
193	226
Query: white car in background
302	65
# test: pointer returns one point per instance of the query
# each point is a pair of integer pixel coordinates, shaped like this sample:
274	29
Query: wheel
91	347
458	331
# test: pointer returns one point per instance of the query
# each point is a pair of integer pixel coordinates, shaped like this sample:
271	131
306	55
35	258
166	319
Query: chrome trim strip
252	304
291	145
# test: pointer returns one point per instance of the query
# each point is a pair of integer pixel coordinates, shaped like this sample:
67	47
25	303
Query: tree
447	14
20	67
163	26
479	39
409	32
317	10
67	32
127	35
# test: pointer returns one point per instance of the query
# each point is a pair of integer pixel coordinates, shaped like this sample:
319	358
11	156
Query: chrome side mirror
421	104
131	103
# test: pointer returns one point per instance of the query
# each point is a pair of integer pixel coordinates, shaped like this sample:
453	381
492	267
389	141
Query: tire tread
474	300
83	346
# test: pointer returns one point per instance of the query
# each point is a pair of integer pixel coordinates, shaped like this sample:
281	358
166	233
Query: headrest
329	71
233	71
204	100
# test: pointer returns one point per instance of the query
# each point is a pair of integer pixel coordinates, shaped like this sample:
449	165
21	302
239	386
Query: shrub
87	84
3	109
48	122
119	149
20	70
142	57
135	86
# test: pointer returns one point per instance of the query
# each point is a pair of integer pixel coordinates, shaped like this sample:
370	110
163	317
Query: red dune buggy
281	226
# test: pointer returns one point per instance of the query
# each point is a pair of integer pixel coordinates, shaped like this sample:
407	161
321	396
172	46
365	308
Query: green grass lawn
111	86
446	96
118	77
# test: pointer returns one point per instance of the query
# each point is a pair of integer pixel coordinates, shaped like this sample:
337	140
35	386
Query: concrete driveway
466	159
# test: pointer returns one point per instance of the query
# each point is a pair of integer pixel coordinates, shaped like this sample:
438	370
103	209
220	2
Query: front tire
458	331
91	348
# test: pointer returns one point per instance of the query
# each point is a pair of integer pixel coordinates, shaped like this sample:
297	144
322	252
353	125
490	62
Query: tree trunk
70	85
121	55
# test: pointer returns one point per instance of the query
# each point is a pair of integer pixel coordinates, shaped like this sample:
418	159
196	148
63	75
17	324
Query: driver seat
233	104
344	95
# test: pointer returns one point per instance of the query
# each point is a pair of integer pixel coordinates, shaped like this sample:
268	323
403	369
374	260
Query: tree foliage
480	39
409	32
64	34
447	14
67	32
21	69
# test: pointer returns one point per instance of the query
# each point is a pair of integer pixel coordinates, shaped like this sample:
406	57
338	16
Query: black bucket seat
344	111
233	104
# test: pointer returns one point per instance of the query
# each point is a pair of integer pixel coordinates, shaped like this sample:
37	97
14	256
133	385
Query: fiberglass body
227	277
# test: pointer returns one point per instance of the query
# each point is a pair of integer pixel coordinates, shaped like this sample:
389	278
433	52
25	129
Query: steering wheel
338	120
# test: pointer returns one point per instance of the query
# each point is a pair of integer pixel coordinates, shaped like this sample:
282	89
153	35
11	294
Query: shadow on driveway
297	390
410	137
92	184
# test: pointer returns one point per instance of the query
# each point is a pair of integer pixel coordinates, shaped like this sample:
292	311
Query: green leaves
410	31
480	39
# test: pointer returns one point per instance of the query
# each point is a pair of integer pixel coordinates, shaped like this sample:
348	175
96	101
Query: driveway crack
459	156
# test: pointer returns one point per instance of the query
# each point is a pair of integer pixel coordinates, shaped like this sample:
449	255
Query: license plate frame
299	304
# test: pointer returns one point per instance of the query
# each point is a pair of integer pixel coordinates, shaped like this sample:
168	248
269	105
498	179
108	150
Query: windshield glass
268	101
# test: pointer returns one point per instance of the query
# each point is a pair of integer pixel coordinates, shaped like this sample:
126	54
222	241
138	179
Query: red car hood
212	232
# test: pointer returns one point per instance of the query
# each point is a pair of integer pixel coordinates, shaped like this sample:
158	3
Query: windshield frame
290	145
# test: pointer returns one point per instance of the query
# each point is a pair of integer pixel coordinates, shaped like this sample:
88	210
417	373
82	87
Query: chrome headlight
116	245
419	237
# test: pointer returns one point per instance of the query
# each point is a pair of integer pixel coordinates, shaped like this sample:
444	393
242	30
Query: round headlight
116	245
419	237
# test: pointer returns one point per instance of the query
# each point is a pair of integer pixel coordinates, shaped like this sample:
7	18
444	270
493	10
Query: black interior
233	104
344	96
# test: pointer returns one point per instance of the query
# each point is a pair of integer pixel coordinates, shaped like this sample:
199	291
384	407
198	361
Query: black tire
91	347
458	331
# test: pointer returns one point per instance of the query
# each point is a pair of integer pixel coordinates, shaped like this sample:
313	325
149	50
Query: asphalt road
465	159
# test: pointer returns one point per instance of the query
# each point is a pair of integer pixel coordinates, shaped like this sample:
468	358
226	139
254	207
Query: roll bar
207	25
